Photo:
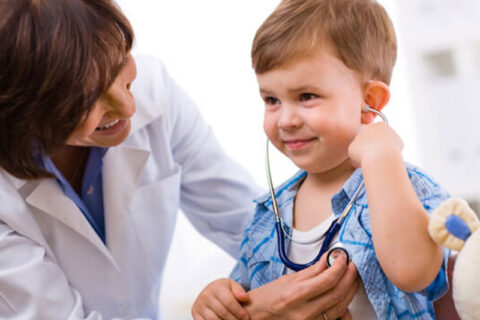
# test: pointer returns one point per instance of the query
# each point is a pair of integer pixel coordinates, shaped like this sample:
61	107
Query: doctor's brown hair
56	58
360	32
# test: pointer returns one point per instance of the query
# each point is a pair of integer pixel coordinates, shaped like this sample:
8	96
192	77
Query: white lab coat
52	263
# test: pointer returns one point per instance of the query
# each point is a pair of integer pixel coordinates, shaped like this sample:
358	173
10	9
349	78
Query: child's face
312	110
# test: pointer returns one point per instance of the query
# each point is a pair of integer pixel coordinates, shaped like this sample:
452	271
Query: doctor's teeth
109	125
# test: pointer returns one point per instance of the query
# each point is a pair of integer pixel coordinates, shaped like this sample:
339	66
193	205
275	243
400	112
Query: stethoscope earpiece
367	108
332	230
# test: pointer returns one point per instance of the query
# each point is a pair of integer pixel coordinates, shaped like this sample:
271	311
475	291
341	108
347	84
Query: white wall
444	67
206	47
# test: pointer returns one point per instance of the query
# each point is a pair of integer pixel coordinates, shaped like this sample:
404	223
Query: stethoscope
332	230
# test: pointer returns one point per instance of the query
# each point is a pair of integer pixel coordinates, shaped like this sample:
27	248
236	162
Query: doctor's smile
112	127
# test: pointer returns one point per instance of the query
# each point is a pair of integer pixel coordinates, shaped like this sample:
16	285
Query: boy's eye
271	101
307	96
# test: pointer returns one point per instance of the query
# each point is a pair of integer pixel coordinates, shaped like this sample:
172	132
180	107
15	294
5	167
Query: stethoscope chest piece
336	252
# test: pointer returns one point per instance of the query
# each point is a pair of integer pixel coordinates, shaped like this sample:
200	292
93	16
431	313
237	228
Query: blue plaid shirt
260	262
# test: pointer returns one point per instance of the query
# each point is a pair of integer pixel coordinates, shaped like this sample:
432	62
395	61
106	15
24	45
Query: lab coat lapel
121	170
49	198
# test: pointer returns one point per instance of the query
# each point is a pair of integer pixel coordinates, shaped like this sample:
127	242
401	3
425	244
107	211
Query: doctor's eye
307	96
271	101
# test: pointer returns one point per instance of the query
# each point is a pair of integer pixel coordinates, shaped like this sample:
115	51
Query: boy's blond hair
360	32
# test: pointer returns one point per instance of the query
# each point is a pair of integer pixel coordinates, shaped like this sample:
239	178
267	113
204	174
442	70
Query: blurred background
206	48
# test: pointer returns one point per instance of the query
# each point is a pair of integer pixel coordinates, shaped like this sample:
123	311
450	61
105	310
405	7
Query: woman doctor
94	167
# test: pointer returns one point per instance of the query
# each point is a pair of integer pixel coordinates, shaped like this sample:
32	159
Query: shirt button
90	190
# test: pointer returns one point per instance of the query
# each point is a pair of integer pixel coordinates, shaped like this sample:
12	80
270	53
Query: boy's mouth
296	144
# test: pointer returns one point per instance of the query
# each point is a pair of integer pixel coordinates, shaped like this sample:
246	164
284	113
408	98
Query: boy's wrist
381	155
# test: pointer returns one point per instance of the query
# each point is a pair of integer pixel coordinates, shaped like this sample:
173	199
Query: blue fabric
90	201
259	261
457	227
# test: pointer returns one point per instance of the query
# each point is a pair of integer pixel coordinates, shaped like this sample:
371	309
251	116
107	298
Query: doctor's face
108	123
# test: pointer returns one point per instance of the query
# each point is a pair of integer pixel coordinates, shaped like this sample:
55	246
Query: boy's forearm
406	253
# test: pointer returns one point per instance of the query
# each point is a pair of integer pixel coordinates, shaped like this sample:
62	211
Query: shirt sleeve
216	192
240	271
431	194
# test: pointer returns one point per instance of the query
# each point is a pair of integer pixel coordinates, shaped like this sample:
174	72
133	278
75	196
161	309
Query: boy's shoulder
263	218
283	193
425	185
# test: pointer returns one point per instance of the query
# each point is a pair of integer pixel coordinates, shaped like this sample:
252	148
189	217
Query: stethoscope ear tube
283	253
334	228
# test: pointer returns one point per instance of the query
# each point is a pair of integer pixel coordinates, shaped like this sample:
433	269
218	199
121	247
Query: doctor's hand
373	143
221	299
317	292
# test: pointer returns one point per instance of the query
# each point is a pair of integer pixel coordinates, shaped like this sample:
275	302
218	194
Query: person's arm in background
216	192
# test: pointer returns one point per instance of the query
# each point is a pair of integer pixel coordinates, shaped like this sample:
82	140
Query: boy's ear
376	95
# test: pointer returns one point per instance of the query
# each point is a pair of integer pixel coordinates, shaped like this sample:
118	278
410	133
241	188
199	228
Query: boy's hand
373	142
221	299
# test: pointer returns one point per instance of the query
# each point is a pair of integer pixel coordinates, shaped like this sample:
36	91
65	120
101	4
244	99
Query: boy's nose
289	118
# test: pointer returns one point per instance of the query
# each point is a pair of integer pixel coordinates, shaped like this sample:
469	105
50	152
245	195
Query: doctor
94	167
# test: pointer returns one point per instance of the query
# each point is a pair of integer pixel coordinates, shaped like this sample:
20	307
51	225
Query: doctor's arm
308	294
313	293
216	192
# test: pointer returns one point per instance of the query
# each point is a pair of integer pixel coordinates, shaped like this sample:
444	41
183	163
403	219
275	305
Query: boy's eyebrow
304	88
265	92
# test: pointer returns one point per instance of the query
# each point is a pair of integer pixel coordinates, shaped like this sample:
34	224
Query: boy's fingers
231	308
236	310
221	312
209	314
197	316
239	293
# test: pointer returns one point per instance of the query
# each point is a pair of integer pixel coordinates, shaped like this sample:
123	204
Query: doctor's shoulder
14	209
157	95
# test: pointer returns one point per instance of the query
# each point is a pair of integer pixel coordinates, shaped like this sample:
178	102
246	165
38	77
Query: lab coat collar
122	168
16	182
148	112
48	197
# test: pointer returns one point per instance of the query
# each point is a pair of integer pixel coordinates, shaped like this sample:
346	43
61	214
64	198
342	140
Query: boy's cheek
269	128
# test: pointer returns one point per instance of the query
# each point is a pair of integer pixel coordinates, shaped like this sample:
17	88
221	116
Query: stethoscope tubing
332	230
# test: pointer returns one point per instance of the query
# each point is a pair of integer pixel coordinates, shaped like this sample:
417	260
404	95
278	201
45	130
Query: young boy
318	63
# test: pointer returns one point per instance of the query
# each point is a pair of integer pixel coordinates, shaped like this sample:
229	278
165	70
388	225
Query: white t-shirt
360	307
